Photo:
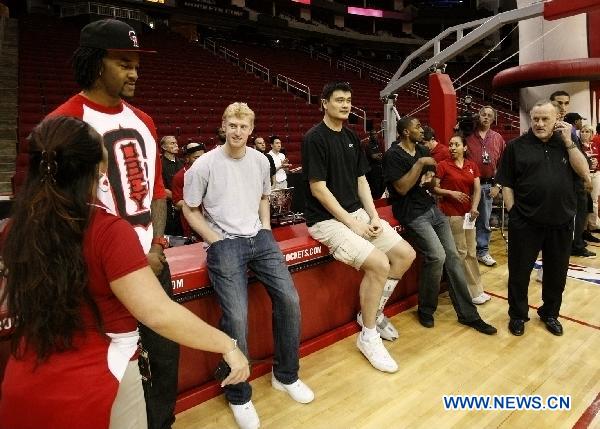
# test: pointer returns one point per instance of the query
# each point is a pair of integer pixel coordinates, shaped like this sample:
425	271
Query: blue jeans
482	224
228	261
432	237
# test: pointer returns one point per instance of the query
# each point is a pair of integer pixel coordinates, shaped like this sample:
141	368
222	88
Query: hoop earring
103	183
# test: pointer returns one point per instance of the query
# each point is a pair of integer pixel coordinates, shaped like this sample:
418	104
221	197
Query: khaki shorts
346	246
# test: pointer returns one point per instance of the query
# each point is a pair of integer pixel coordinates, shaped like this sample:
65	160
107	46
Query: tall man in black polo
538	173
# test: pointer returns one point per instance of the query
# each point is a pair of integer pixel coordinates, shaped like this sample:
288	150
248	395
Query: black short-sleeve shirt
541	178
338	159
396	163
169	169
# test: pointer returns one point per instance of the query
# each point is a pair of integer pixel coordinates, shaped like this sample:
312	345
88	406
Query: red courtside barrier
329	302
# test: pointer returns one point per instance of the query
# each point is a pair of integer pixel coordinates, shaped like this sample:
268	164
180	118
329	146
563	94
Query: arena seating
185	88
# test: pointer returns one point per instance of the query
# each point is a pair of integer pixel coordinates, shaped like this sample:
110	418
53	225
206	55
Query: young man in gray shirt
226	194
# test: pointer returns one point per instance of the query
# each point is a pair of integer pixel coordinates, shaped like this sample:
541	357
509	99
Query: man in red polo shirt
193	151
485	148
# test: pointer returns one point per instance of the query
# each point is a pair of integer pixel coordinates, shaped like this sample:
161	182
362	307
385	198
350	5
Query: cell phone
222	371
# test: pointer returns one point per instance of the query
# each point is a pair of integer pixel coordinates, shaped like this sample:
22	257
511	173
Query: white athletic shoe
384	326
299	391
376	353
481	299
486	260
245	415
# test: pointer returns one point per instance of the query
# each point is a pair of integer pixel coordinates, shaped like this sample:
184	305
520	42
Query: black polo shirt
541	178
396	163
336	157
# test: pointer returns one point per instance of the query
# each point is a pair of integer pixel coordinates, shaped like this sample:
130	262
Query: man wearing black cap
105	66
578	248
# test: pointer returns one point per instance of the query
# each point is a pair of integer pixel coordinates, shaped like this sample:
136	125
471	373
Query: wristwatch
161	241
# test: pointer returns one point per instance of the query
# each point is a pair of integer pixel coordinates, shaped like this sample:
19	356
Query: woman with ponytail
77	280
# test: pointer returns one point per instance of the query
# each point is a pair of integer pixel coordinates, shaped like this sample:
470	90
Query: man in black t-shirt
374	154
340	214
538	174
261	146
409	172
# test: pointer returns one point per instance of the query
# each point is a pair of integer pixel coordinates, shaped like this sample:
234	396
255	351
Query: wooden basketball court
449	359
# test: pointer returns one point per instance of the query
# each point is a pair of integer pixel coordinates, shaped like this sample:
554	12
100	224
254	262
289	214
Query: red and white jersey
134	167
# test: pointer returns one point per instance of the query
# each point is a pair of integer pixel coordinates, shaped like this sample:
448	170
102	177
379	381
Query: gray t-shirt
229	190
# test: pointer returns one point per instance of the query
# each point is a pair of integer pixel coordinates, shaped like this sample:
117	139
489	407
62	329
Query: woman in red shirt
460	191
592	150
77	281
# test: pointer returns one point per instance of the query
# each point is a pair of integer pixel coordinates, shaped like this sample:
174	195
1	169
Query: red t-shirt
594	150
440	153
454	178
76	388
177	195
493	144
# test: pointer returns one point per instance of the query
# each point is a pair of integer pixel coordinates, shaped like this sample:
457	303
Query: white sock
388	289
368	333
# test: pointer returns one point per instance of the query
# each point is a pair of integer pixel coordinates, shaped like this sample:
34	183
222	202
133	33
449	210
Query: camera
467	120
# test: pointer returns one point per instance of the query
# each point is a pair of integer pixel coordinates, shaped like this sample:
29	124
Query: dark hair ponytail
47	282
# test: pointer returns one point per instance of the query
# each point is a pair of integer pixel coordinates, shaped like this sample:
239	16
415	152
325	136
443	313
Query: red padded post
560	8
442	109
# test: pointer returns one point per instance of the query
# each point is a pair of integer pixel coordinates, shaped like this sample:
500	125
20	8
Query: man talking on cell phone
538	172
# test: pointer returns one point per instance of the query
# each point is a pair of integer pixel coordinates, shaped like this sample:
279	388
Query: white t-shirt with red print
134	167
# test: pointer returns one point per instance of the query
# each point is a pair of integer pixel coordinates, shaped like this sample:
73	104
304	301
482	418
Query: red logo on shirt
128	175
138	188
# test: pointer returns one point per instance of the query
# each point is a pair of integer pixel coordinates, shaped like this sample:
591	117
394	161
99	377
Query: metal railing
472	89
210	45
321	56
256	68
344	65
418	89
502	100
360	114
367	66
105	10
293	84
379	77
233	56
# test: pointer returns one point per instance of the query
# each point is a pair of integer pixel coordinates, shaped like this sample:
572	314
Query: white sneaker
245	415
376	353
384	326
481	299
299	391
486	260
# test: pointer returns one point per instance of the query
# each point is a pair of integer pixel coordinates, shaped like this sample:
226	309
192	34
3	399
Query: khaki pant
129	409
346	246
466	246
